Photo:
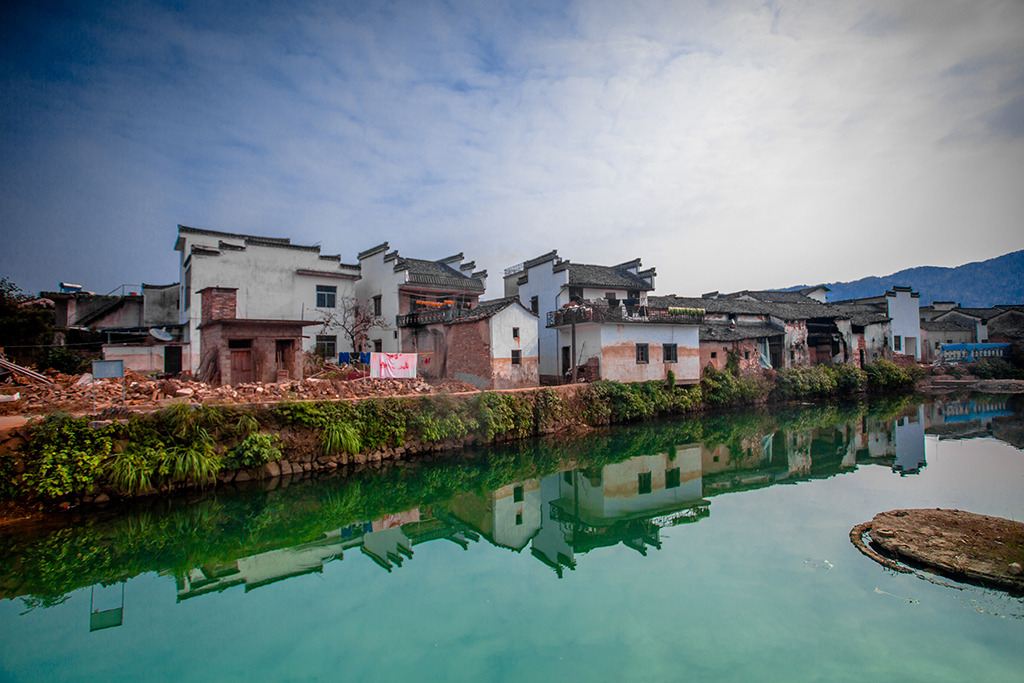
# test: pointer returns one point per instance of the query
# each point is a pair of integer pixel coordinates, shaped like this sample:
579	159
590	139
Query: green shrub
135	469
64	456
256	450
382	422
883	375
340	436
995	368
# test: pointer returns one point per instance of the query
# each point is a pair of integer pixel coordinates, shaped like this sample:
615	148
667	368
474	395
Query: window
515	333
575	293
533	304
186	294
239	343
327	345
326	296
567	476
937	344
714	354
519	518
643	482
642	353
746	355
672	478
897	342
517	357
376	305
670	352
378	345
517	494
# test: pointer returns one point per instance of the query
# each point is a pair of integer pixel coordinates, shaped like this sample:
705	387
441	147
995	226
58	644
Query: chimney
218	303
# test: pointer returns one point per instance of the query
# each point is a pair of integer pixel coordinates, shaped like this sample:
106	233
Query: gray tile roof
785	311
725	333
485	309
611	277
437	274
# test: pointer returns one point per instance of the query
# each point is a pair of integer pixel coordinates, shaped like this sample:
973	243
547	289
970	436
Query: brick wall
469	353
219	303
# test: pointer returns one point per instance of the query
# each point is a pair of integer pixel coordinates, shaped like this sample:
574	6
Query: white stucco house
395	286
902	305
273	278
596	318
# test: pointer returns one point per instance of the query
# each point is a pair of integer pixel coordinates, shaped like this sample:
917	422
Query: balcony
626	312
429	316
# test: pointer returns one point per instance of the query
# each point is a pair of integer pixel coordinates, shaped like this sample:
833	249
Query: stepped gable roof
804	310
485	309
611	277
437	274
724	332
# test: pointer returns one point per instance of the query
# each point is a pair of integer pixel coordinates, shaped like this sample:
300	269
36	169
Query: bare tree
355	318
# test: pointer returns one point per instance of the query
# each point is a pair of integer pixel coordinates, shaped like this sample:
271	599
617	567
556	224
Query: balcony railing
428	316
595	312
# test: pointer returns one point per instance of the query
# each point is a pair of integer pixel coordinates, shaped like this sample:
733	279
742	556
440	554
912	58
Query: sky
729	145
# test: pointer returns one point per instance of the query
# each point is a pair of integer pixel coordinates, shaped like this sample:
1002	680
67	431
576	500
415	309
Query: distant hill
981	284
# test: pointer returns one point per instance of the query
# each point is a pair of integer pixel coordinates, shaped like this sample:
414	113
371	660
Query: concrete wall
617	344
160	304
142	359
378	278
504	374
905	311
547	286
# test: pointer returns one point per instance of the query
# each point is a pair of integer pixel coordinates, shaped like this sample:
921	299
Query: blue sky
728	144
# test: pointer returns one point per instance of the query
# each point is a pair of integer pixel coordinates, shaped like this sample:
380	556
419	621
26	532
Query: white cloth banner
397	365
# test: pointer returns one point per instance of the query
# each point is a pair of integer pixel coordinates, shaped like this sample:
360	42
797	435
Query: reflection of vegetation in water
172	536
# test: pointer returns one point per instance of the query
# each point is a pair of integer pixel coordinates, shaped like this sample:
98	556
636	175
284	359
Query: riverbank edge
584	407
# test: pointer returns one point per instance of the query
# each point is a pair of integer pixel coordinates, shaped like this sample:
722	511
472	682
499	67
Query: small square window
519	519
378	345
517	494
642	353
517	357
515	333
643	482
326	296
672	478
746	355
670	353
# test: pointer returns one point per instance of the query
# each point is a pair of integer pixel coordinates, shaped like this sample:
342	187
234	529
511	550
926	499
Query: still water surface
711	549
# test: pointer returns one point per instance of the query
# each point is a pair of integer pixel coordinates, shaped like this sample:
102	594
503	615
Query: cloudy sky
728	144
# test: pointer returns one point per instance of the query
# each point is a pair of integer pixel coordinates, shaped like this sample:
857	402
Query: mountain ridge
979	284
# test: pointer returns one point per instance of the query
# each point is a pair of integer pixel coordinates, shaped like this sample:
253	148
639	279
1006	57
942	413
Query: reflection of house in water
984	416
507	517
388	542
910	443
627	502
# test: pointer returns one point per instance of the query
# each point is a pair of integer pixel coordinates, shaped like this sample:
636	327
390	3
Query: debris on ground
80	393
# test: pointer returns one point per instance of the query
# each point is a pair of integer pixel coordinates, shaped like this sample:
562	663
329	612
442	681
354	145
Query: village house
140	329
395	286
272	278
767	329
594	320
491	346
902	306
945	322
236	350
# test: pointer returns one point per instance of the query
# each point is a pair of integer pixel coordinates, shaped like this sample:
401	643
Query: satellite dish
161	335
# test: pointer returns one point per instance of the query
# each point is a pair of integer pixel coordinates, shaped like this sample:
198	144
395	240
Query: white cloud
736	145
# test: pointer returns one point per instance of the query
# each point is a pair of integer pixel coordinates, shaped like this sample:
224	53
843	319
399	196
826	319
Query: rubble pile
81	393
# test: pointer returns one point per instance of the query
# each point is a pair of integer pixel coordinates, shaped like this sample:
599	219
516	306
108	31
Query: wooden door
241	366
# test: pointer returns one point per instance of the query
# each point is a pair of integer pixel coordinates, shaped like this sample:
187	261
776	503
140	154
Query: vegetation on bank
188	446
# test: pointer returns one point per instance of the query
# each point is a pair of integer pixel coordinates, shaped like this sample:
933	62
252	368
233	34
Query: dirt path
960	545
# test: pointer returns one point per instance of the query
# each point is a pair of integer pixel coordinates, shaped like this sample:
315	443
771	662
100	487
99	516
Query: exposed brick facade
218	303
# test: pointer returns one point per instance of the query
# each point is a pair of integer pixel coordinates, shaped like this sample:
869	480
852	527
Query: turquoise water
545	562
